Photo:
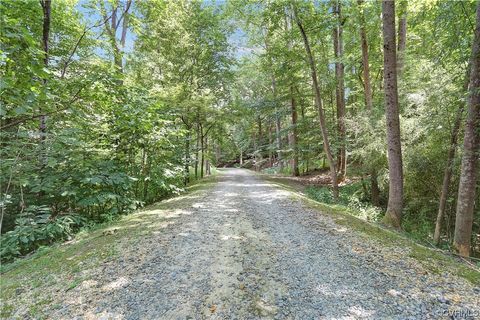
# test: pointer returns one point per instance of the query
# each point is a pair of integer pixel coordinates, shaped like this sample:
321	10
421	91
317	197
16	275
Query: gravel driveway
248	250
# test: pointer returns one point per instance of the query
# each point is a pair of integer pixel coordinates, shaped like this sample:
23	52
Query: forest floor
240	247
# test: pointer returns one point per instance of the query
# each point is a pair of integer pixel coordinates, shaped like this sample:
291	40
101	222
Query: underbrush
35	228
97	201
351	197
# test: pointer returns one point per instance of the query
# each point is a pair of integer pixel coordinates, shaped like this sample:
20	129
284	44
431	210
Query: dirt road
245	249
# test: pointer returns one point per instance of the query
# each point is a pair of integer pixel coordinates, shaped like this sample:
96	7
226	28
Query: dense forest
111	105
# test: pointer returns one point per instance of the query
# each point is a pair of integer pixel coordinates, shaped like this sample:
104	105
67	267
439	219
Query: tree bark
447	176
365	60
202	157
46	8
277	115
374	189
207	162
217	153
319	104
112	33
278	126
449	167
471	151
126	17
393	216
270	143
187	157
197	149
340	87
295	171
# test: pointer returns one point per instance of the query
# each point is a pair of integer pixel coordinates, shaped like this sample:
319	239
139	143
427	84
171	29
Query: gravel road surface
247	249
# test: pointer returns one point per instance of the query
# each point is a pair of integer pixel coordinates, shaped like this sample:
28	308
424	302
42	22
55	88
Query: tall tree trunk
393	216
277	115
197	149
187	157
319	104
270	143
126	18
365	60
202	161
46	8
374	189
340	87
217	153
449	167
471	153
207	162
278	125
295	171
402	36
112	33
447	176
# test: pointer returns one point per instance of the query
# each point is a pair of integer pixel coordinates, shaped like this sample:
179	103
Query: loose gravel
248	250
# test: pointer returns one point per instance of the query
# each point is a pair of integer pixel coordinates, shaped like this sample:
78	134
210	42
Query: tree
46	8
367	89
471	149
393	216
294	144
319	104
340	86
447	175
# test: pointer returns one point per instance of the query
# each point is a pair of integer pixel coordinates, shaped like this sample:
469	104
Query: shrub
37	227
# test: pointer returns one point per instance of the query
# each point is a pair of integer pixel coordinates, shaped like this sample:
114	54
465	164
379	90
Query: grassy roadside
36	278
434	260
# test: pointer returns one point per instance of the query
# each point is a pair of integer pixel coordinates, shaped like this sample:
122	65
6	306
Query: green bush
35	228
351	196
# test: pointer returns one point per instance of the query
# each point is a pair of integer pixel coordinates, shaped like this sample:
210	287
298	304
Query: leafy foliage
117	114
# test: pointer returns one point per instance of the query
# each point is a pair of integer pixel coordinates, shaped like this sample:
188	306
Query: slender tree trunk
187	157
319	104
402	36
126	18
202	149
374	189
449	167
112	33
255	151
277	115
278	126
471	152
339	88
393	216
447	176
207	162
270	143
365	60
295	171
46	8
197	149
241	157
218	153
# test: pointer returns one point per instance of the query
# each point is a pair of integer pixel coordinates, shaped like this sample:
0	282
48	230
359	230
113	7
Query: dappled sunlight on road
244	248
